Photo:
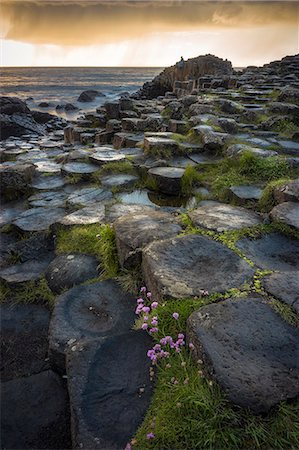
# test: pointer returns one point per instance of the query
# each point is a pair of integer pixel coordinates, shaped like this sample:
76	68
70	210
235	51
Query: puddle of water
143	197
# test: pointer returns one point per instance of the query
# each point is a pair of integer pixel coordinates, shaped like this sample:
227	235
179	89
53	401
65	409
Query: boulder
168	179
18	124
133	232
250	351
12	105
91	311
288	213
110	389
66	271
185	266
89	96
222	217
211	140
288	192
243	194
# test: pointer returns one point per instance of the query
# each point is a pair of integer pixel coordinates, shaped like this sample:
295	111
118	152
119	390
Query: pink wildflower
143	289
191	346
149	294
175	315
144	326
150	436
154	305
146	309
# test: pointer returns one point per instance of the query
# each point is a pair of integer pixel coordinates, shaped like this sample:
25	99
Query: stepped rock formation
185	72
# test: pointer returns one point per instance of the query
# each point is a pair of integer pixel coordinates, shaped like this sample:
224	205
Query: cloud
82	23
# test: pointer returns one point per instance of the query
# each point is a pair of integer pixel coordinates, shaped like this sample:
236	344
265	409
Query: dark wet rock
38	219
250	351
67	107
112	110
133	232
211	140
20	273
88	196
119	181
118	210
272	251
42	117
85	216
231	107
113	126
168	179
184	266
15	179
39	246
35	413
228	125
221	217
12	105
91	311
284	286
24	343
107	414
285	109
48	199
44	105
289	147
66	271
289	95
89	96
288	213
242	194
18	124
173	110
46	183
10	211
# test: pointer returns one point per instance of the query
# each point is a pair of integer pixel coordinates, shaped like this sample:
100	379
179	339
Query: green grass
197	415
30	292
190	179
96	240
117	167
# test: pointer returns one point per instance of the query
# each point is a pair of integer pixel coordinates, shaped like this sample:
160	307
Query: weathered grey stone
273	251
239	149
39	219
242	194
102	158
77	168
66	271
48	199
10	211
24	341
45	183
119	181
249	349
160	145
110	390
211	140
134	231
168	179
288	213
15	179
288	192
284	286
114	212
184	266
85	216
88	196
221	217
34	412
89	312
28	271
47	167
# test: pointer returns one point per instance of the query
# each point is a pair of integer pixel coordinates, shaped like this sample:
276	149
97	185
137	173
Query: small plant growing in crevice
267	200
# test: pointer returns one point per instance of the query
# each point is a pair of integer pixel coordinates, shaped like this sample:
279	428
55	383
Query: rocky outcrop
12	105
185	72
89	96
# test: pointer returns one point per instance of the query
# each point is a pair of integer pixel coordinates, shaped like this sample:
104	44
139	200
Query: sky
145	32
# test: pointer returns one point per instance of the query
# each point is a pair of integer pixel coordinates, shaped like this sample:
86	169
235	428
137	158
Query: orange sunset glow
145	33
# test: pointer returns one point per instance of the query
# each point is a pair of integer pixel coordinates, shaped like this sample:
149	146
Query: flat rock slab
168	179
47	167
24	340
249	349
273	251
85	216
39	219
133	232
222	217
184	266
284	286
66	271
242	194
48	199
78	168
160	144
110	390
88	196
20	273
288	213
114	212
119	181
89	312
39	246
8	213
106	157
46	183
35	413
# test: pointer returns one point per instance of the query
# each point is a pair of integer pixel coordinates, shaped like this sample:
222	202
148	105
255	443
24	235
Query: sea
60	85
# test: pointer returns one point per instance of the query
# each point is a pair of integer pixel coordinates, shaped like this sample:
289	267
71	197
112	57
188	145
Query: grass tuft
30	292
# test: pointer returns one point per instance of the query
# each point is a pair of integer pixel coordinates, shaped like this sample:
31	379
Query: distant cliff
185	71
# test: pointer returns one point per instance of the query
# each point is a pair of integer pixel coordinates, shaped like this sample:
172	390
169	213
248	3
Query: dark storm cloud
99	22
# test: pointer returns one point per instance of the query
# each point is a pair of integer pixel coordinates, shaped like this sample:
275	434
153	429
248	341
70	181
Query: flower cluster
145	306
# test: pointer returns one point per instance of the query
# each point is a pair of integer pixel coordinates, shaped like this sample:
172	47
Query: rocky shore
189	187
